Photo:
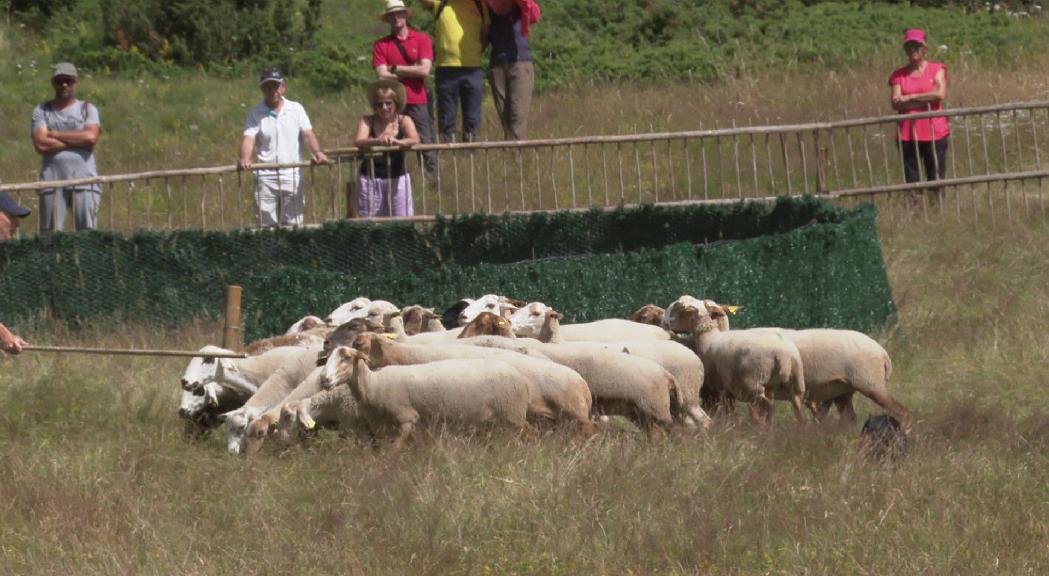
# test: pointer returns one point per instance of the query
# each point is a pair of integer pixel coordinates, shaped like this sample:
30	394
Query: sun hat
12	207
394	6
271	74
914	35
64	69
399	97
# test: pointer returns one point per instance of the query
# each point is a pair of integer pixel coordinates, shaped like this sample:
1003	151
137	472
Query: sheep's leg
819	410
795	403
585	430
846	413
403	432
761	409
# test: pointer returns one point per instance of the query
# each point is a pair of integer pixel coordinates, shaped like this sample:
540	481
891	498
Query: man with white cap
65	131
274	130
406	55
10	215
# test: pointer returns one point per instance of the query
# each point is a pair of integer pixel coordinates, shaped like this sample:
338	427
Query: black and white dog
882	438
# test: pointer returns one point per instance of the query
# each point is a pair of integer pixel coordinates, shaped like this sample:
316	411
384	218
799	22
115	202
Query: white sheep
396	328
268	422
494	303
271	392
839	363
335	408
305	323
681	362
347	311
457	391
556	393
622	384
528	322
751	365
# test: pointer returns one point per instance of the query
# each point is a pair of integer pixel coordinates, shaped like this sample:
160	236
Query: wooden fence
993	171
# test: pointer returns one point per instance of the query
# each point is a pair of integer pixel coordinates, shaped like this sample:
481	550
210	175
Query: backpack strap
400	48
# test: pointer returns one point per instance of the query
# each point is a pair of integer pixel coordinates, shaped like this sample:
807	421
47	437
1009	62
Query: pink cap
914	35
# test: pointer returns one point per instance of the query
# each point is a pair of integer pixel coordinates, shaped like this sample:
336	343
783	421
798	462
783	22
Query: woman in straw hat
385	186
921	86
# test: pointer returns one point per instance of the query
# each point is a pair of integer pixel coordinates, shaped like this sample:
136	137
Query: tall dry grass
96	476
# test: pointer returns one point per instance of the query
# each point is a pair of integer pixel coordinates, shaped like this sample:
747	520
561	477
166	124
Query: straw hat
399	96
394	6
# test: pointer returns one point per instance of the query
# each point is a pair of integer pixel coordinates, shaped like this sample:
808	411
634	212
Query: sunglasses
384	103
63	80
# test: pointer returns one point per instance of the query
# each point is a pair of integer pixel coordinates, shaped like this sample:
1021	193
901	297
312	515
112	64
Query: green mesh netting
796	263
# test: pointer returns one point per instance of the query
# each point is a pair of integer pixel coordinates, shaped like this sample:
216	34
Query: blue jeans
454	85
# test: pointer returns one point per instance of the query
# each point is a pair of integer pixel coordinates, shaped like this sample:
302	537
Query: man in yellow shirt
460	37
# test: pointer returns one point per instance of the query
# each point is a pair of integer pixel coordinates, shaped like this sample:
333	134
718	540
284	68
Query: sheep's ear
717	312
555	314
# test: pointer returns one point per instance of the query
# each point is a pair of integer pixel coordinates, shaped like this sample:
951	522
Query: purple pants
385	196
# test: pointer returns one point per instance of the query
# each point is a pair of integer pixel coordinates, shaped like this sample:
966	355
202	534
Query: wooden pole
133	352
232	333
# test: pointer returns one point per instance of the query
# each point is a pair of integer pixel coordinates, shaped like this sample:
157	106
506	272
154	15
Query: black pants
421	116
933	156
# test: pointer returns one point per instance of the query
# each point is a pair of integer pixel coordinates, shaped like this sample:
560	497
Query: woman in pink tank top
921	86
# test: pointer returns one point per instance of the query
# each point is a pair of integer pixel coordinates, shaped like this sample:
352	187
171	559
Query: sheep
201	408
648	314
382	311
334	408
355	308
305	323
276	387
345	334
418	319
494	303
677	320
839	363
397	329
462	391
450	316
306	339
242	374
678	360
556	393
747	364
620	383
528	321
487	324
269	421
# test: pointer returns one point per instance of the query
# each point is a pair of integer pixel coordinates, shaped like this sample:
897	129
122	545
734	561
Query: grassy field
97	478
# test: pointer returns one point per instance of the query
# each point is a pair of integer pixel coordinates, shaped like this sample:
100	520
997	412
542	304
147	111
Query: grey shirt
72	162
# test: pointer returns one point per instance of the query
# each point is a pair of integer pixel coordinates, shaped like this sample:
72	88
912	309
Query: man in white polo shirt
274	130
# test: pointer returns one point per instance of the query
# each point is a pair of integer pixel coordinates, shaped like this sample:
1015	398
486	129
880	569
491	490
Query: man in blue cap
10	215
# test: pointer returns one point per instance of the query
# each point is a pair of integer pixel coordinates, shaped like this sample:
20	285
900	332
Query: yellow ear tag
732	309
502	323
311	424
215	401
390	336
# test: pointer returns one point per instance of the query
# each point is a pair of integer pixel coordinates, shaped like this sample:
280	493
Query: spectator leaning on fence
274	129
385	187
510	71
9	342
65	131
10	215
461	34
406	55
921	86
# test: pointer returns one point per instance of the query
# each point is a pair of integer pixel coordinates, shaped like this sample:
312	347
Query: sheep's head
345	334
498	305
415	318
201	370
191	405
381	311
679	316
256	433
356	308
293	415
488	324
450	317
527	321
649	314
237	422
305	323
339	367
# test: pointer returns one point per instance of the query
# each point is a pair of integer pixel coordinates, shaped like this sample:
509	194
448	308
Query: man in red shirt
406	55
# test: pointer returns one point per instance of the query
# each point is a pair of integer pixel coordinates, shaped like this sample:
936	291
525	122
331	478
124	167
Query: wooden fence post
232	332
822	160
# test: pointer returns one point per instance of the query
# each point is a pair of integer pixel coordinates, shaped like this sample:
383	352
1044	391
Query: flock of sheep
379	371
